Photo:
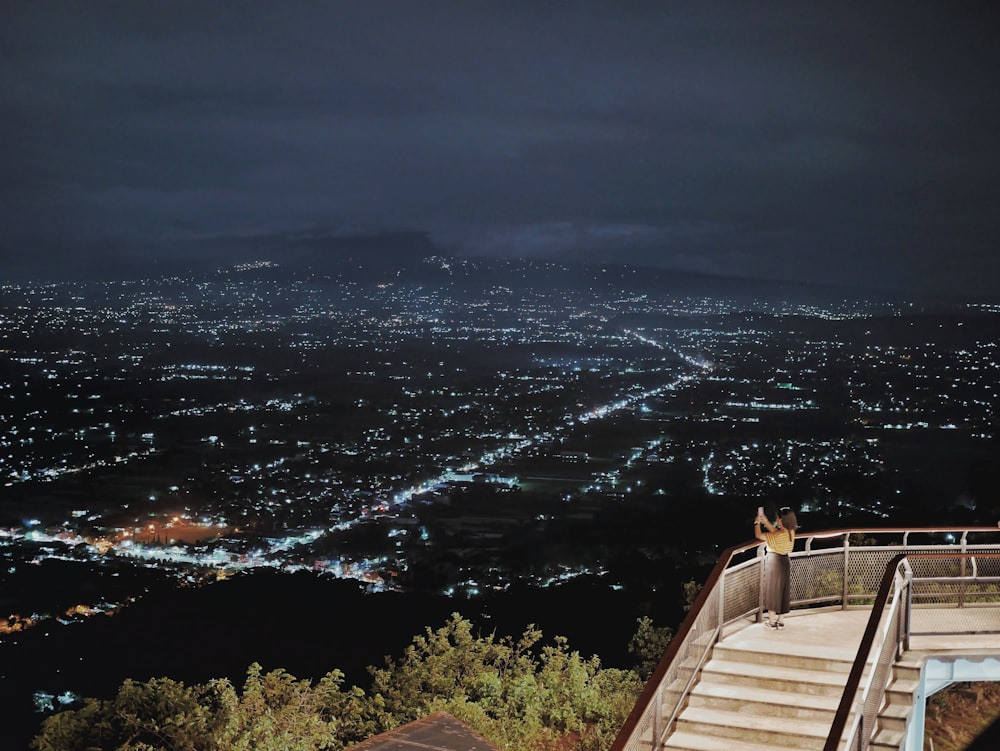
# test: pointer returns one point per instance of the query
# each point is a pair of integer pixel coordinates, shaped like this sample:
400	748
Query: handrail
648	707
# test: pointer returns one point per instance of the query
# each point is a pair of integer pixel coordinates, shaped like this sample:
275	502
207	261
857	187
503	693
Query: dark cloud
851	142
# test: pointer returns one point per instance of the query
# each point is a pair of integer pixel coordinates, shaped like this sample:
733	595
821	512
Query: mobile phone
760	511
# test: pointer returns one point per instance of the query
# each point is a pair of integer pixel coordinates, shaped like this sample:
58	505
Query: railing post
963	572
760	583
847	548
906	612
658	719
722	606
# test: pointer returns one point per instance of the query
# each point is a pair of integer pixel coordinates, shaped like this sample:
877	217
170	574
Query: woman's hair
788	520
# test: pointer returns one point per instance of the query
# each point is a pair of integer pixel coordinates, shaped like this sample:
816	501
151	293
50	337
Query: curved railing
844	567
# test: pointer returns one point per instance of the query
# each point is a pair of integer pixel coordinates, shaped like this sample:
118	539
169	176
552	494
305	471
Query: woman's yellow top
781	541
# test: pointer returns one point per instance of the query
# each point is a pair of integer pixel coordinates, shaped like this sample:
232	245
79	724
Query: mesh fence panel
818	577
742	590
865	568
987	565
642	738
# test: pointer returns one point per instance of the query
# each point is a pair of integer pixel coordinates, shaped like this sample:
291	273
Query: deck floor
839	632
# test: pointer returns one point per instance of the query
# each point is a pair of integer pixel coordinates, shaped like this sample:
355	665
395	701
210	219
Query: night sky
852	142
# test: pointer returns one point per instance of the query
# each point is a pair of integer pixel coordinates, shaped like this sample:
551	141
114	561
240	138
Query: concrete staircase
761	694
766	690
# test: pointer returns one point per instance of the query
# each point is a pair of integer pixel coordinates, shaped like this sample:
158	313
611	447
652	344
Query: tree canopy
521	694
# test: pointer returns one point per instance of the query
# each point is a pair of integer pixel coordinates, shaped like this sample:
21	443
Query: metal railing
846	568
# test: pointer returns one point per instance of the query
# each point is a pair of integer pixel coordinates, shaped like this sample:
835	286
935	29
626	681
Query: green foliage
691	590
161	713
77	730
858	539
275	712
648	644
517	694
520	694
983	593
278	711
826	584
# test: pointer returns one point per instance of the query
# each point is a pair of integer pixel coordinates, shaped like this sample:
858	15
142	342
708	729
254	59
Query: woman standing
780	540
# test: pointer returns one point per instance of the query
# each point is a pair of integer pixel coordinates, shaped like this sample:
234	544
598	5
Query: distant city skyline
849	143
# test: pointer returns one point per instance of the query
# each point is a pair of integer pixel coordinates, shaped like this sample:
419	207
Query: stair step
888	739
816	659
892	724
775	677
909	662
763	701
788	732
682	741
896	711
903	687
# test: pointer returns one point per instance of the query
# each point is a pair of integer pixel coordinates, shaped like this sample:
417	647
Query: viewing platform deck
880	621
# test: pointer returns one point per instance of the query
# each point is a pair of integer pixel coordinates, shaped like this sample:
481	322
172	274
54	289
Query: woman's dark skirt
777	584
